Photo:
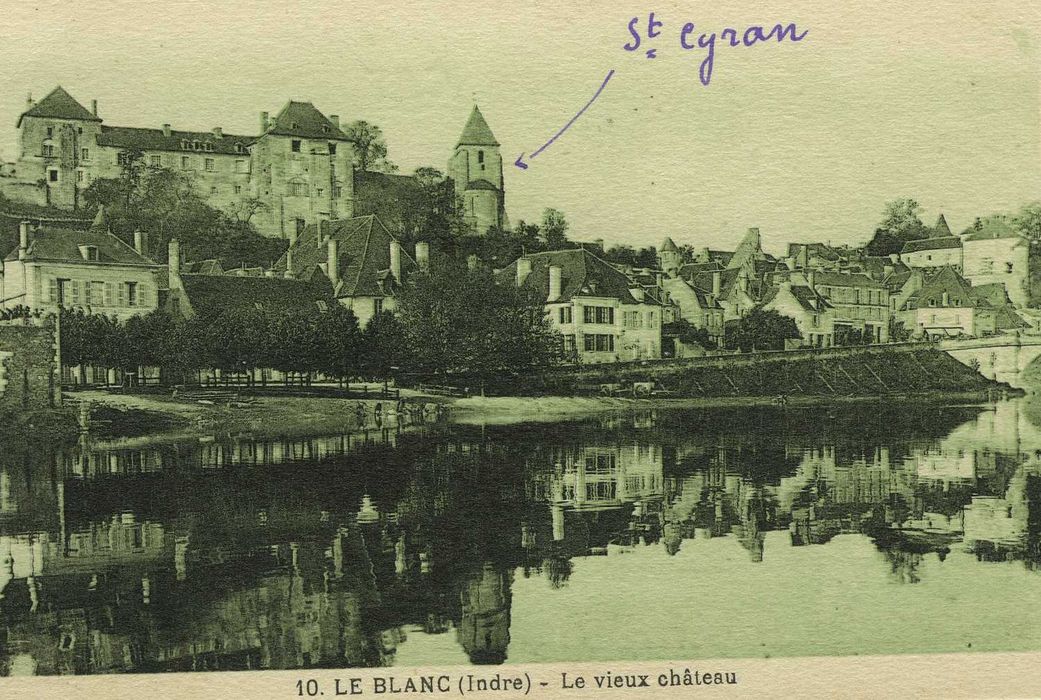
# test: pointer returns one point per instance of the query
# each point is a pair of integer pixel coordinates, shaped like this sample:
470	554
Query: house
93	270
996	252
698	307
813	315
946	306
370	264
859	303
933	252
602	313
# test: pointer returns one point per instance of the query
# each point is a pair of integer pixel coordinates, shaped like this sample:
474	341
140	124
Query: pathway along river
663	534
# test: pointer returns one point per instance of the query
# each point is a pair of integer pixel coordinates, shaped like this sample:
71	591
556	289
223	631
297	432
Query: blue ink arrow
520	159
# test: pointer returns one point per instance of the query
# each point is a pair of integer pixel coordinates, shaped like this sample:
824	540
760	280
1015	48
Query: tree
1028	220
900	223
383	346
627	255
685	332
760	330
461	320
554	229
370	150
338	343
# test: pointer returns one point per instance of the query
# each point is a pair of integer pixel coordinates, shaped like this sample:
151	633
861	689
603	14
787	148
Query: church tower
476	170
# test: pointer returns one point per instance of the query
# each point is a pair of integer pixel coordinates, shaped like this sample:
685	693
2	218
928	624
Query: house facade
995	252
946	306
91	270
601	313
859	303
813	315
945	251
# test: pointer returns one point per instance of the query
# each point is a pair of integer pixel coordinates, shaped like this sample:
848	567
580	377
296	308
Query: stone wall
28	366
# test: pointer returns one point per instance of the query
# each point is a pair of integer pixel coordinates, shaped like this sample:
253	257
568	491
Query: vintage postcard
535	349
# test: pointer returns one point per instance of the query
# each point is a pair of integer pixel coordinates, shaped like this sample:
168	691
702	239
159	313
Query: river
639	535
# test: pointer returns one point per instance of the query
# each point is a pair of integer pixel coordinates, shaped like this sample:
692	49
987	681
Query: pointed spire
668	245
941	228
477	132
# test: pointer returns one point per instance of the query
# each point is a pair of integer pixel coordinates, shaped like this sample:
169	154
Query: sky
938	101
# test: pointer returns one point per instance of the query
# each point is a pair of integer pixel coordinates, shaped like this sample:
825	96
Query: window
598	342
295	145
84	154
186	162
297	188
239	148
238	189
377	306
210	165
48	149
1008	267
132	298
569	344
96	297
52	175
320	192
213	190
932	302
480	159
80	176
122	158
332	149
90	253
155	161
337	191
241	166
300	224
565	315
50	131
598	314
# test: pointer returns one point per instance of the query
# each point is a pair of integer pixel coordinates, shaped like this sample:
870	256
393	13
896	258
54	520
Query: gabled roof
748	250
991	229
203	267
59	104
209	295
668	245
945	280
845	279
581	274
875	265
63	245
896	281
182	141
939	243
808	299
941	228
363	245
477	132
994	294
304	120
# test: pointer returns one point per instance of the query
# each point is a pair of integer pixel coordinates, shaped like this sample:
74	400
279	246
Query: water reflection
420	546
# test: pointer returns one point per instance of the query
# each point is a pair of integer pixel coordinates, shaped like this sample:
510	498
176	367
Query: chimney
139	242
395	259
263	122
523	269
173	261
29	104
335	119
166	131
894	258
599	243
289	264
717	283
23	240
946	300
218	132
94	107
554	283
887	270
423	255
333	261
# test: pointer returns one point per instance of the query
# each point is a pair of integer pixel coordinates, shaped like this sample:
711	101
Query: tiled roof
875	265
59	104
844	279
808	299
896	281
748	250
481	184
210	295
920	244
182	141
363	244
581	274
304	120
946	280
61	244
477	132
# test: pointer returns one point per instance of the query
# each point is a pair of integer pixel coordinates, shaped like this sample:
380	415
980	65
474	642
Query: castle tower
57	137
669	257
476	169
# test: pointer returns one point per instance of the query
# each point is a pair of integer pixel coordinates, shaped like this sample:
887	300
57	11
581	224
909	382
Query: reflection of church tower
484	631
476	170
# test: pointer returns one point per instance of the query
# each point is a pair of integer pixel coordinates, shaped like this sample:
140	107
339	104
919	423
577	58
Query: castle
299	169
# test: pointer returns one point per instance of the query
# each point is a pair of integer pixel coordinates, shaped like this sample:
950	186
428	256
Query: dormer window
295	145
295	125
209	146
332	149
239	148
325	128
89	252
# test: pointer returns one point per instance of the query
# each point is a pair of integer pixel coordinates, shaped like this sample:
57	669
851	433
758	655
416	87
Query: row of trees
453	321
